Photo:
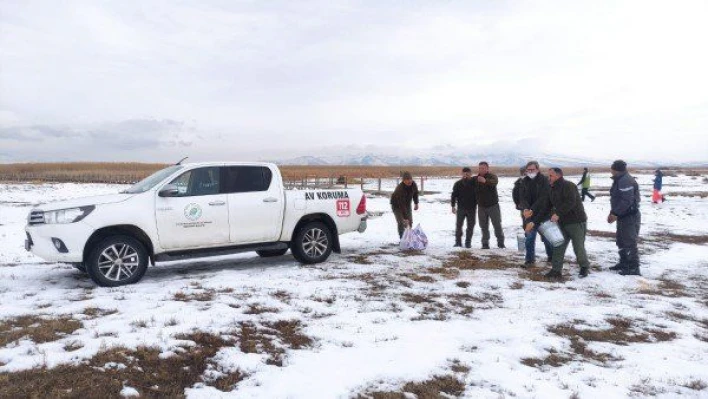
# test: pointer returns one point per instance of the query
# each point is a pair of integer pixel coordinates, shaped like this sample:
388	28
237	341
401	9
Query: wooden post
346	182
379	184
362	184
422	185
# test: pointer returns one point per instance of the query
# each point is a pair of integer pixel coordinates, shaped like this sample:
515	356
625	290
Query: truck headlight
71	215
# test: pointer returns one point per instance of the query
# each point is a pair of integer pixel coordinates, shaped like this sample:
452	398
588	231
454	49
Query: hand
554	218
406	222
611	218
454	211
528	213
529	227
416	207
481	179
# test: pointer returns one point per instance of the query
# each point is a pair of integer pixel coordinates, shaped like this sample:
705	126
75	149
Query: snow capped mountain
446	159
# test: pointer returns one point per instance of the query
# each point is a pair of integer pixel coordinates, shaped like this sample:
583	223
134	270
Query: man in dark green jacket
405	193
569	213
488	205
464	205
536	204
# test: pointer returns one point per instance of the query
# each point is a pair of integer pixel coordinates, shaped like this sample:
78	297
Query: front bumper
73	235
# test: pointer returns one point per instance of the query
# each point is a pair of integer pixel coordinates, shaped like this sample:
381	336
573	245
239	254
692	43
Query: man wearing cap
569	213
536	204
403	195
488	205
464	205
624	199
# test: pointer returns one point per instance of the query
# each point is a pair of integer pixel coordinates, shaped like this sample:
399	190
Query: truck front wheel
117	260
312	243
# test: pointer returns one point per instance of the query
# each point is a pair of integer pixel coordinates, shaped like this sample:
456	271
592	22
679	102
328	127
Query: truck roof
267	164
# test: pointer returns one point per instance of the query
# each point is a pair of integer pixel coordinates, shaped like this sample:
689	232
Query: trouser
469	216
531	245
403	215
586	193
485	214
627	235
575	233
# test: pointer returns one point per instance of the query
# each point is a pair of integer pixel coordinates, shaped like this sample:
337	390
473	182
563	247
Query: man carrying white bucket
569	213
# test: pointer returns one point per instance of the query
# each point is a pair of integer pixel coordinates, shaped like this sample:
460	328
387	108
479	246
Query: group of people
539	199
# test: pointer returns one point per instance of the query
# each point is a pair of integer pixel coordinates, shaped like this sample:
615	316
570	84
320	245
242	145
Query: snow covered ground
375	320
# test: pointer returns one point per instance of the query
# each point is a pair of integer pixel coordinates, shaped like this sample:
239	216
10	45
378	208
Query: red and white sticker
343	208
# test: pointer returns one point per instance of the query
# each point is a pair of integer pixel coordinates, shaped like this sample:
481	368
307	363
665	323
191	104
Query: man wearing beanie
401	198
464	205
624	199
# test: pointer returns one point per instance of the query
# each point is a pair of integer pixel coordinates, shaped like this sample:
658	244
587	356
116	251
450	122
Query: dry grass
257	308
602	234
94	313
132	172
419	278
696	385
666	288
440	307
272	339
438	387
144	370
38	329
464	260
204	296
622	332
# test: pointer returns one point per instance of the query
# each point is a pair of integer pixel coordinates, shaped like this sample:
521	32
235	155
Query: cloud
252	79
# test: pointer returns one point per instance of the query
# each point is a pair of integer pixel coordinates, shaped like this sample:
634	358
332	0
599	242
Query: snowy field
371	322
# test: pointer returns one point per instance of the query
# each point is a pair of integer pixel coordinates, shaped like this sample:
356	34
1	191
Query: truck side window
197	182
245	179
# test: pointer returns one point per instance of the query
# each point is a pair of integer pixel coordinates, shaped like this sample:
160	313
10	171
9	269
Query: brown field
132	172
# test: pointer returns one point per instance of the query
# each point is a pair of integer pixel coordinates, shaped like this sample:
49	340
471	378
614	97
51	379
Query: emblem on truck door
193	212
343	208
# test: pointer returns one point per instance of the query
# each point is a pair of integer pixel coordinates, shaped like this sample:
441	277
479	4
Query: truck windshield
152	180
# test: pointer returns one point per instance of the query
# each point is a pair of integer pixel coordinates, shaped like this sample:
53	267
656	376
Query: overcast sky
154	80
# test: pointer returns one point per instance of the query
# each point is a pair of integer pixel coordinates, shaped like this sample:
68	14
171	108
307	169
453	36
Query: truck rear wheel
312	243
269	253
117	260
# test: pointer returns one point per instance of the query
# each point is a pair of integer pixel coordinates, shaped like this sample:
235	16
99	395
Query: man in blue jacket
624	198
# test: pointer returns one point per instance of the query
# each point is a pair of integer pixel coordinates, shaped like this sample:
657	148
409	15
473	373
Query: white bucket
521	242
552	233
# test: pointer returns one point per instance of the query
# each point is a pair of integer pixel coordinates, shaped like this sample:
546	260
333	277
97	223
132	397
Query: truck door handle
270	199
217	203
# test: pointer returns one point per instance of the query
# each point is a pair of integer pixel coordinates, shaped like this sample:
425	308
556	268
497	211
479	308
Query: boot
632	265
501	245
458	243
584	272
553	274
468	241
622	261
485	246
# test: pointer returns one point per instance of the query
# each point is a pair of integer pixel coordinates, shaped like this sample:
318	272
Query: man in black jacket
464	205
569	213
488	205
405	193
535	201
624	199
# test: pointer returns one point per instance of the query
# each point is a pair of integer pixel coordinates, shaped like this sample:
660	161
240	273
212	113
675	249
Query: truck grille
36	217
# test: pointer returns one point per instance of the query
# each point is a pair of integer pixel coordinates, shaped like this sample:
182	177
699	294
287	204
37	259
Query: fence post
422	185
362	184
346	182
379	184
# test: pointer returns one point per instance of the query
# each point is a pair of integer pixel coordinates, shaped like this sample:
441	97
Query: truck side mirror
169	190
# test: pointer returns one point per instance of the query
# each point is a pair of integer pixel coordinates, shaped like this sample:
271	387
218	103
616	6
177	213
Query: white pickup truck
189	211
